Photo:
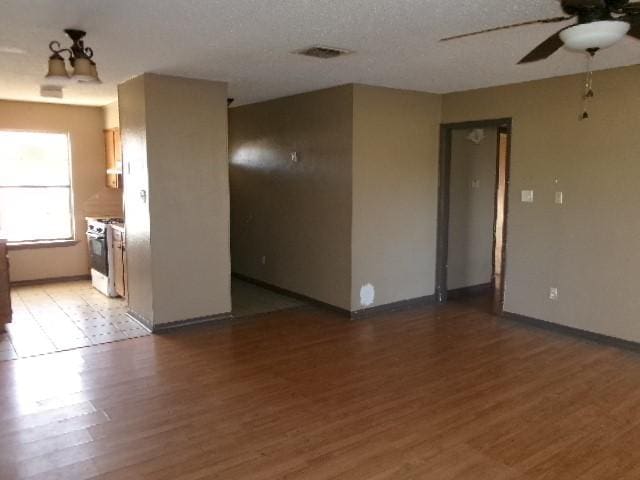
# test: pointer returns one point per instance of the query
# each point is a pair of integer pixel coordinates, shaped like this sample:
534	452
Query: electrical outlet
527	196
553	293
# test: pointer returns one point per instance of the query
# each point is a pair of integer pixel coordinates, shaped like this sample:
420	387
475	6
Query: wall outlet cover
527	196
553	293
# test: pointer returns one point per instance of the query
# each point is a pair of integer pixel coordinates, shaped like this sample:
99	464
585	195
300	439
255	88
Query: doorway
472	210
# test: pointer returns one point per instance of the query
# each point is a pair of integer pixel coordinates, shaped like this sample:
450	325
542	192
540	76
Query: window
35	187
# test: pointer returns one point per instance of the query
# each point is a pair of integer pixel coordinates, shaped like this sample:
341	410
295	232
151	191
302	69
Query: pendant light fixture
83	68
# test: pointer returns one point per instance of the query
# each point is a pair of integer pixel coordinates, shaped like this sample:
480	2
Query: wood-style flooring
441	393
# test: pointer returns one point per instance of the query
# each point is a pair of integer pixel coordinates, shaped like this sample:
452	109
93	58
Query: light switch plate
475	184
559	198
527	196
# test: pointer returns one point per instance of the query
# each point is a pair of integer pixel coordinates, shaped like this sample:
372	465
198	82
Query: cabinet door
117	147
113	157
5	297
110	158
118	267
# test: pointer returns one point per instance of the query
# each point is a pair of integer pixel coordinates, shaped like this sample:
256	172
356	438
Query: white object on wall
476	136
527	196
367	295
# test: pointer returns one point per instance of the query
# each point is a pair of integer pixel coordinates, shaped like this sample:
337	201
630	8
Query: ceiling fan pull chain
588	85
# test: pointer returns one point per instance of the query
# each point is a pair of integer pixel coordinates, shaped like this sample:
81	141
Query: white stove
99	237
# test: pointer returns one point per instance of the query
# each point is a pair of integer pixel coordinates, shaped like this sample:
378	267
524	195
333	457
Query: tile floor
249	299
63	316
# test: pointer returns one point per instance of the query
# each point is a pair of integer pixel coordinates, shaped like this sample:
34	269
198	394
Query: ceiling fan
600	24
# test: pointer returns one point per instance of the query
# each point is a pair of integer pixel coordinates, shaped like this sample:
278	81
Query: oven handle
95	236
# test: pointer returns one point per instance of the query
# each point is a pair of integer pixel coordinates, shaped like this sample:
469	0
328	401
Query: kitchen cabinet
119	260
113	156
5	297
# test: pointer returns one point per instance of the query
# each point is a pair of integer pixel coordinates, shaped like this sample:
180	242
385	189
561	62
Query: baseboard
471	291
284	291
44	281
355	315
394	307
146	323
572	331
166	327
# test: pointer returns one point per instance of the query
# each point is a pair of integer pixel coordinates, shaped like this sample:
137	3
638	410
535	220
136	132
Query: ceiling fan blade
634	31
632	8
547	48
583	3
521	24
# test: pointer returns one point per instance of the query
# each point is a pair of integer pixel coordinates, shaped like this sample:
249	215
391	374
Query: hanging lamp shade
82	70
94	73
57	73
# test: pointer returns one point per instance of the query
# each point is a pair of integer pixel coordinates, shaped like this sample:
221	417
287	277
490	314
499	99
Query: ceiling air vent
323	52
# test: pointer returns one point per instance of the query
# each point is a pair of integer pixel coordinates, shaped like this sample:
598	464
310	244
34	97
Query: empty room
392	239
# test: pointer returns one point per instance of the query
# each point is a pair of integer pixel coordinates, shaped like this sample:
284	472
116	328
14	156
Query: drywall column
174	137
395	179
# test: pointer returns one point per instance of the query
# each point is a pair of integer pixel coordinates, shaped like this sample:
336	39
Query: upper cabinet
113	153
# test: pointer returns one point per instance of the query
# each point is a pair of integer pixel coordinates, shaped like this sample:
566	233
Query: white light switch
527	196
559	198
475	184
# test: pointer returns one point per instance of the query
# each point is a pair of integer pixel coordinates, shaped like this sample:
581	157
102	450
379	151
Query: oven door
98	253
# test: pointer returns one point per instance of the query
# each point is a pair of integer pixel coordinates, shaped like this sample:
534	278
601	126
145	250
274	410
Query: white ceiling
248	44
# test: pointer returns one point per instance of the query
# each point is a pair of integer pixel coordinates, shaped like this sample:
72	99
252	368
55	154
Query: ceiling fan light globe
601	34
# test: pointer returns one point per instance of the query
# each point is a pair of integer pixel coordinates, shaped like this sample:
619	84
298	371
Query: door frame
444	177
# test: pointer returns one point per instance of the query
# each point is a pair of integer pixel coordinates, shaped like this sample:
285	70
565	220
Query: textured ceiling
248	44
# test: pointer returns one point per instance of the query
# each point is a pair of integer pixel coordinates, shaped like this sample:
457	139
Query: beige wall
84	126
395	178
471	209
110	115
295	214
183	236
586	247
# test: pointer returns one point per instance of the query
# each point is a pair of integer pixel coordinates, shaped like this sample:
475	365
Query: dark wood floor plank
439	392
